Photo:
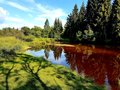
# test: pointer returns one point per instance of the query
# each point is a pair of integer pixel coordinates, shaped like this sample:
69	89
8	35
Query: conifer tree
57	29
58	26
71	25
82	13
98	12
104	8
115	21
46	26
81	18
46	29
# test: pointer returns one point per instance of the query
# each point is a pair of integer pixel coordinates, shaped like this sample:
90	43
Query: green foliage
11	43
26	30
37	43
71	27
57	29
36	73
46	29
115	22
37	31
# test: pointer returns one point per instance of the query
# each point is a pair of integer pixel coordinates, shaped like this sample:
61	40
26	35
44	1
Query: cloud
15	20
3	14
18	6
49	13
37	14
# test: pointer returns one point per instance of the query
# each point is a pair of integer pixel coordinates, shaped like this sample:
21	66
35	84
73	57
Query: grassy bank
13	43
26	72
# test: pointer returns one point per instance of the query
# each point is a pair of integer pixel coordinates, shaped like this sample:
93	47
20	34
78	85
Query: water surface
102	64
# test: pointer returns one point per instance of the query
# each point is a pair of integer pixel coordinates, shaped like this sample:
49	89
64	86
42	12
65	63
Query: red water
102	64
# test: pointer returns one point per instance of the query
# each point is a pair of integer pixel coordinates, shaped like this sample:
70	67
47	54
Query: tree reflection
57	52
99	64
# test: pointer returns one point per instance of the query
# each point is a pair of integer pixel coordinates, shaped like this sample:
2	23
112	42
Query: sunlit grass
11	43
40	42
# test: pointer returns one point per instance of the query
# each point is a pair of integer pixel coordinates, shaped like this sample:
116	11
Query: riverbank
28	72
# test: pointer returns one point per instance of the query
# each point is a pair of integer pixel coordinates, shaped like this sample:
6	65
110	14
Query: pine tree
71	25
81	23
57	29
68	27
81	18
82	13
92	7
104	9
58	26
98	12
46	26
115	21
46	29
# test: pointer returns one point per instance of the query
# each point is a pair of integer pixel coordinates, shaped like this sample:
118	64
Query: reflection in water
96	63
101	64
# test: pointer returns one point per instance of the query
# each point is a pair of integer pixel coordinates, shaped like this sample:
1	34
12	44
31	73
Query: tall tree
104	8
115	21
98	12
57	29
81	19
81	23
71	25
82	13
57	26
68	27
46	26
46	29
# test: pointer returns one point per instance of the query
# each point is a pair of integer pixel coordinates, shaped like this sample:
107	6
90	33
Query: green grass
28	72
10	43
39	42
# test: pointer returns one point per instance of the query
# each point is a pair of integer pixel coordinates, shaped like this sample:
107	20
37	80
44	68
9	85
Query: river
101	63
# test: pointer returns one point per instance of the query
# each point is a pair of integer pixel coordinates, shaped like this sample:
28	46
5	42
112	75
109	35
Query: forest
83	54
98	23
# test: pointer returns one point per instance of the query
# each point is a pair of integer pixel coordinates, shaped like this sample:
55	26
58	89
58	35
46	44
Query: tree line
46	32
98	22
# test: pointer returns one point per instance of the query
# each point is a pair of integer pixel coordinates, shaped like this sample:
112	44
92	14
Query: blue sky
18	13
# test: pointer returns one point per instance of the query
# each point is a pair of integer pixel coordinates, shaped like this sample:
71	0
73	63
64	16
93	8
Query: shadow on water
102	64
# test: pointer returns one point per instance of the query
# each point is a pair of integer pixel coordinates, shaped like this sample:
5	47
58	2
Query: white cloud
18	6
15	20
49	13
16	25
37	14
3	14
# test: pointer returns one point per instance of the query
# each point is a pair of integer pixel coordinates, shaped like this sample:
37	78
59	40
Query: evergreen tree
81	22
46	26
68	27
82	13
58	26
71	25
104	9
46	29
98	12
57	29
115	21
